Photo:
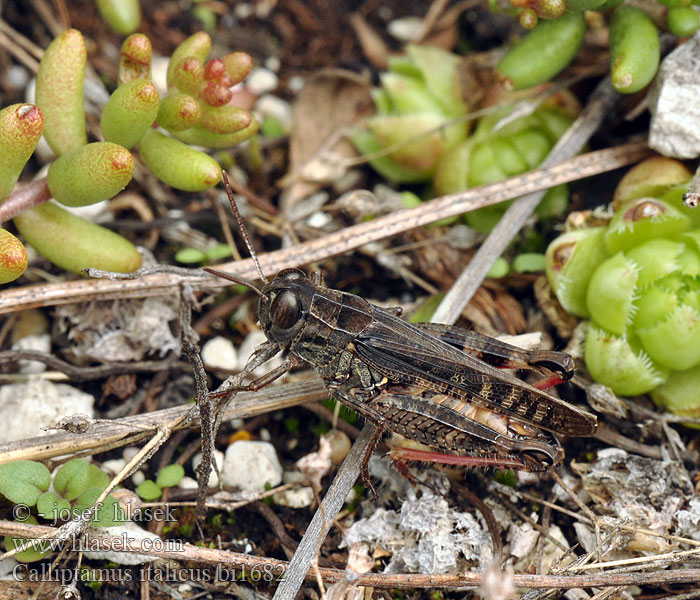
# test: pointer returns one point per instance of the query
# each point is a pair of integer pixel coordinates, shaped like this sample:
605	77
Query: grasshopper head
284	305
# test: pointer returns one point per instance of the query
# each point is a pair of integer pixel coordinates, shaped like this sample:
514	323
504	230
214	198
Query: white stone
405	29
319	219
138	478
675	121
27	407
273	63
276	108
261	81
189	483
295	497
248	466
125	532
129	452
219	353
296	84
300	497
39	343
219	458
114	466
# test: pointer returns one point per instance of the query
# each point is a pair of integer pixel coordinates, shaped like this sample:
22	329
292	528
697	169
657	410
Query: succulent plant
419	96
638	282
555	40
197	110
496	151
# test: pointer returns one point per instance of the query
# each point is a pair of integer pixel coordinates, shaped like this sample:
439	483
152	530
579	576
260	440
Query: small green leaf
33	553
97	478
71	479
529	262
129	112
123	16
188	256
149	490
51	506
23	481
21	126
108	514
218	252
170	476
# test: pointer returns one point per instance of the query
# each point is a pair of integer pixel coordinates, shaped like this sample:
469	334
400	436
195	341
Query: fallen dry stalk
105	435
82	290
235	560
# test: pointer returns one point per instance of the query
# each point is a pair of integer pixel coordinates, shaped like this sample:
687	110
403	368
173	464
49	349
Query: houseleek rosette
638	282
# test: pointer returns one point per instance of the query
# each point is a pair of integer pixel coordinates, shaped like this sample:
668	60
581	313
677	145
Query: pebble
38	343
219	353
138	478
405	29
261	81
248	466
189	483
675	120
27	407
276	108
219	458
114	465
294	498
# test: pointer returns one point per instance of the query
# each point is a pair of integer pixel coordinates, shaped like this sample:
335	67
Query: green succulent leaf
135	58
178	111
21	126
199	136
197	45
90	174
59	92
13	257
621	365
177	164
75	244
123	16
129	112
611	293
572	259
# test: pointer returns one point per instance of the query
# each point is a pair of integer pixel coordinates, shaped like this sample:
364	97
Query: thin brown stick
335	243
234	560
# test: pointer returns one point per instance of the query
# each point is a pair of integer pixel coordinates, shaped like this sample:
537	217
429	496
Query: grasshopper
435	385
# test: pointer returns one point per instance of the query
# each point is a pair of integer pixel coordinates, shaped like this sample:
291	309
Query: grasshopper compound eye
285	311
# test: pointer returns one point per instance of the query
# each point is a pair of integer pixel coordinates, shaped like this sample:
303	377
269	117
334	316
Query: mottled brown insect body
435	385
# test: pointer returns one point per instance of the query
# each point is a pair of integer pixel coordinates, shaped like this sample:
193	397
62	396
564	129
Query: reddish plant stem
23	198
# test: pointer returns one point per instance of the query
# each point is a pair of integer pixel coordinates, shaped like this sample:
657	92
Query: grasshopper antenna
241	226
235	279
